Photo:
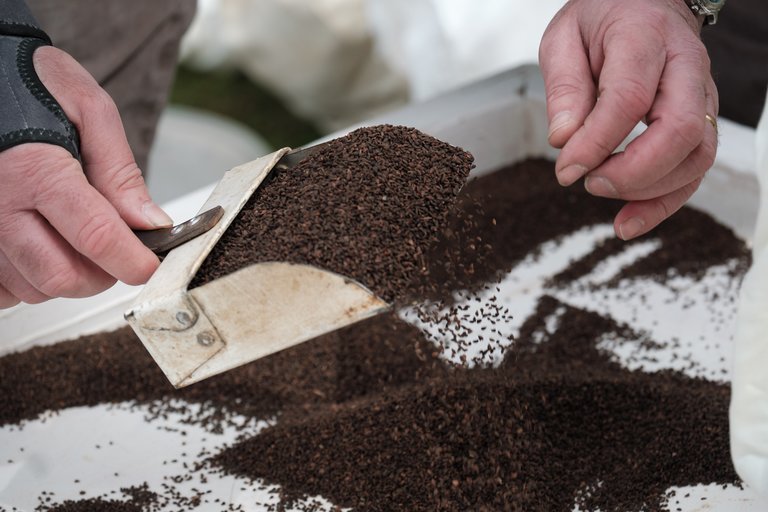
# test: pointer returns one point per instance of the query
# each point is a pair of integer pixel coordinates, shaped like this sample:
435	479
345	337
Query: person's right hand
608	65
65	230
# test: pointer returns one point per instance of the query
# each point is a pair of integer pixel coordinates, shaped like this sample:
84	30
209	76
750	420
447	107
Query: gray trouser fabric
130	47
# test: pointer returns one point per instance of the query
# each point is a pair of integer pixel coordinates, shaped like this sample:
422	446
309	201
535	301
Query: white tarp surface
91	444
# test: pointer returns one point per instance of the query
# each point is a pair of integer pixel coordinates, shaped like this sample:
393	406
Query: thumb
107	158
568	81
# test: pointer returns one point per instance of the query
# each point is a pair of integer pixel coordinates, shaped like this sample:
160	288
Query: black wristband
8	28
28	111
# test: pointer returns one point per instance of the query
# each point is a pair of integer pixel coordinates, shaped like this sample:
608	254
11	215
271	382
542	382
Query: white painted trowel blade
267	307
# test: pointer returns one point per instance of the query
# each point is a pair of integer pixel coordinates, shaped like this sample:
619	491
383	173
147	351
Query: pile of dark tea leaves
373	417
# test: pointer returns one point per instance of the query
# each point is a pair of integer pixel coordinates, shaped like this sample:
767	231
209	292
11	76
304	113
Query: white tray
500	120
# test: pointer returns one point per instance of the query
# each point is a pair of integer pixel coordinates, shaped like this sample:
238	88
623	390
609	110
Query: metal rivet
183	318
206	338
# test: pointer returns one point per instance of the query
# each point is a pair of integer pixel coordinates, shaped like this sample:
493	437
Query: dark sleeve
28	112
738	48
16	19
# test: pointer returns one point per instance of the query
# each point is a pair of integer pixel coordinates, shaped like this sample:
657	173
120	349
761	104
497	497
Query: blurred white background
340	61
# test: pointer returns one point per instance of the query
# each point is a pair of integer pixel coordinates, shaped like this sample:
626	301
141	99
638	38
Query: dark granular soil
516	209
115	367
96	505
140	499
367	206
371	419
681	254
538	434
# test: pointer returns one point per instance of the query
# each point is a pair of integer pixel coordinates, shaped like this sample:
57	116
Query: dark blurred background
232	94
738	47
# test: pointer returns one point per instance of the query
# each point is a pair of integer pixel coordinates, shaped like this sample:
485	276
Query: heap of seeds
140	499
558	423
367	206
370	418
538	434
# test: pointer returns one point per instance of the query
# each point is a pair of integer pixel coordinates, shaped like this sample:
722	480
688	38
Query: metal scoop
255	311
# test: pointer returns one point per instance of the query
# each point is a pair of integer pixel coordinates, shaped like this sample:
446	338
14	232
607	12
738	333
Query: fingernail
155	215
561	120
568	175
600	186
631	228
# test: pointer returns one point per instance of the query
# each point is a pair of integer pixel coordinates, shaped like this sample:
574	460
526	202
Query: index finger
568	81
676	126
627	87
94	228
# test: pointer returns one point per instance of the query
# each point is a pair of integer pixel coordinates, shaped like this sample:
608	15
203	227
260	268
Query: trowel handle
160	241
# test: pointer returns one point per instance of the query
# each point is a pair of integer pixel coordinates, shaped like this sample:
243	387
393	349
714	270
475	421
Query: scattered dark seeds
370	418
367	206
94	505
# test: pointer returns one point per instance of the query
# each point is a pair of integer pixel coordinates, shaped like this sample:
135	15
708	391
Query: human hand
608	66
65	230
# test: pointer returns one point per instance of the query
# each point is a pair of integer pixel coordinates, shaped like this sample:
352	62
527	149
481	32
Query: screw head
183	318
206	338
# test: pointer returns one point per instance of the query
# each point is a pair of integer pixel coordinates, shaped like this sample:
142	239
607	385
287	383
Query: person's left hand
65	228
608	66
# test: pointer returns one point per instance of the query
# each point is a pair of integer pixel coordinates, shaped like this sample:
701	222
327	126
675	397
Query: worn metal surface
267	307
163	316
258	310
163	240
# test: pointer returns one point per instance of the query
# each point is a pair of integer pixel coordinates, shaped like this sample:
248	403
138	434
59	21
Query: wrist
28	112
